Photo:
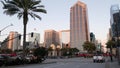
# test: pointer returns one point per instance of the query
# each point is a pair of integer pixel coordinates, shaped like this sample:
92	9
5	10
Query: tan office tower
51	37
79	30
14	41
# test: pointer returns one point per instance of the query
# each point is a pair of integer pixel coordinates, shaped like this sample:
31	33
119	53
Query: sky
58	18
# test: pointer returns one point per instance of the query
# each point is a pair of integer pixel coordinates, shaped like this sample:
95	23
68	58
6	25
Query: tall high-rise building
51	37
115	20
79	28
13	41
115	28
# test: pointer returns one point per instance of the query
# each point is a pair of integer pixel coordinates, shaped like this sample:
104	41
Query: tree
65	51
90	47
40	51
73	51
110	44
6	51
23	8
50	49
69	51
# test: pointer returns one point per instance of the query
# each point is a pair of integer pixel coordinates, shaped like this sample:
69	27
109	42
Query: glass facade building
115	20
92	37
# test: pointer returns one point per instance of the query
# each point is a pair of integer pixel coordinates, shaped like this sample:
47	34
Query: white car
98	58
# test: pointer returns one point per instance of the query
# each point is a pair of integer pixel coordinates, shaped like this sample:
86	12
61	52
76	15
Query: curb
48	62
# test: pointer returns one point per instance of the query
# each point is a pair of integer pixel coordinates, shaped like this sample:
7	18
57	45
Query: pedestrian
111	57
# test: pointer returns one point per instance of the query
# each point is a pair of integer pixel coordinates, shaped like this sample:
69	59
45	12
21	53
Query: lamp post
5	28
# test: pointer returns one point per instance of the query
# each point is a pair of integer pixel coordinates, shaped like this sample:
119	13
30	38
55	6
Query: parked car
6	60
29	59
18	60
98	58
1	60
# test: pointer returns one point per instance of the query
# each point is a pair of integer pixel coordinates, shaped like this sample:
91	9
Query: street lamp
5	28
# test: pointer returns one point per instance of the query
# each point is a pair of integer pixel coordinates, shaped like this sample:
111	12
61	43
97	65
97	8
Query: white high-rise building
34	39
64	38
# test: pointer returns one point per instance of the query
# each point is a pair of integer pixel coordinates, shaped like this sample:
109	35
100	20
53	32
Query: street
64	63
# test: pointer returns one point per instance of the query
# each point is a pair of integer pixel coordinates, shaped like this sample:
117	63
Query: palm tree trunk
24	40
25	19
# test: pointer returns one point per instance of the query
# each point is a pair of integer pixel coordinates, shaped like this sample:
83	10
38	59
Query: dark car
17	60
6	60
1	60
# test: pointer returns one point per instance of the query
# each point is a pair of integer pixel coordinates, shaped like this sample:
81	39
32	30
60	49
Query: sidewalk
113	64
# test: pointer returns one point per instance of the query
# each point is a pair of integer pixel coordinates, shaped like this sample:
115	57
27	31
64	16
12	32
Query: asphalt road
64	63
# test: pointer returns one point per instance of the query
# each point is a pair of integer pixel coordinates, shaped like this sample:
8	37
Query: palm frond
16	3
19	15
34	2
37	16
3	3
35	7
13	7
9	12
39	10
32	15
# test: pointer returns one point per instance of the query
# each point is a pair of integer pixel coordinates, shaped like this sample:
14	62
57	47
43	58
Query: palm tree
23	8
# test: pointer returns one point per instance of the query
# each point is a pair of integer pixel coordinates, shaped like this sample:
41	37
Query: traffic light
32	34
66	45
19	37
